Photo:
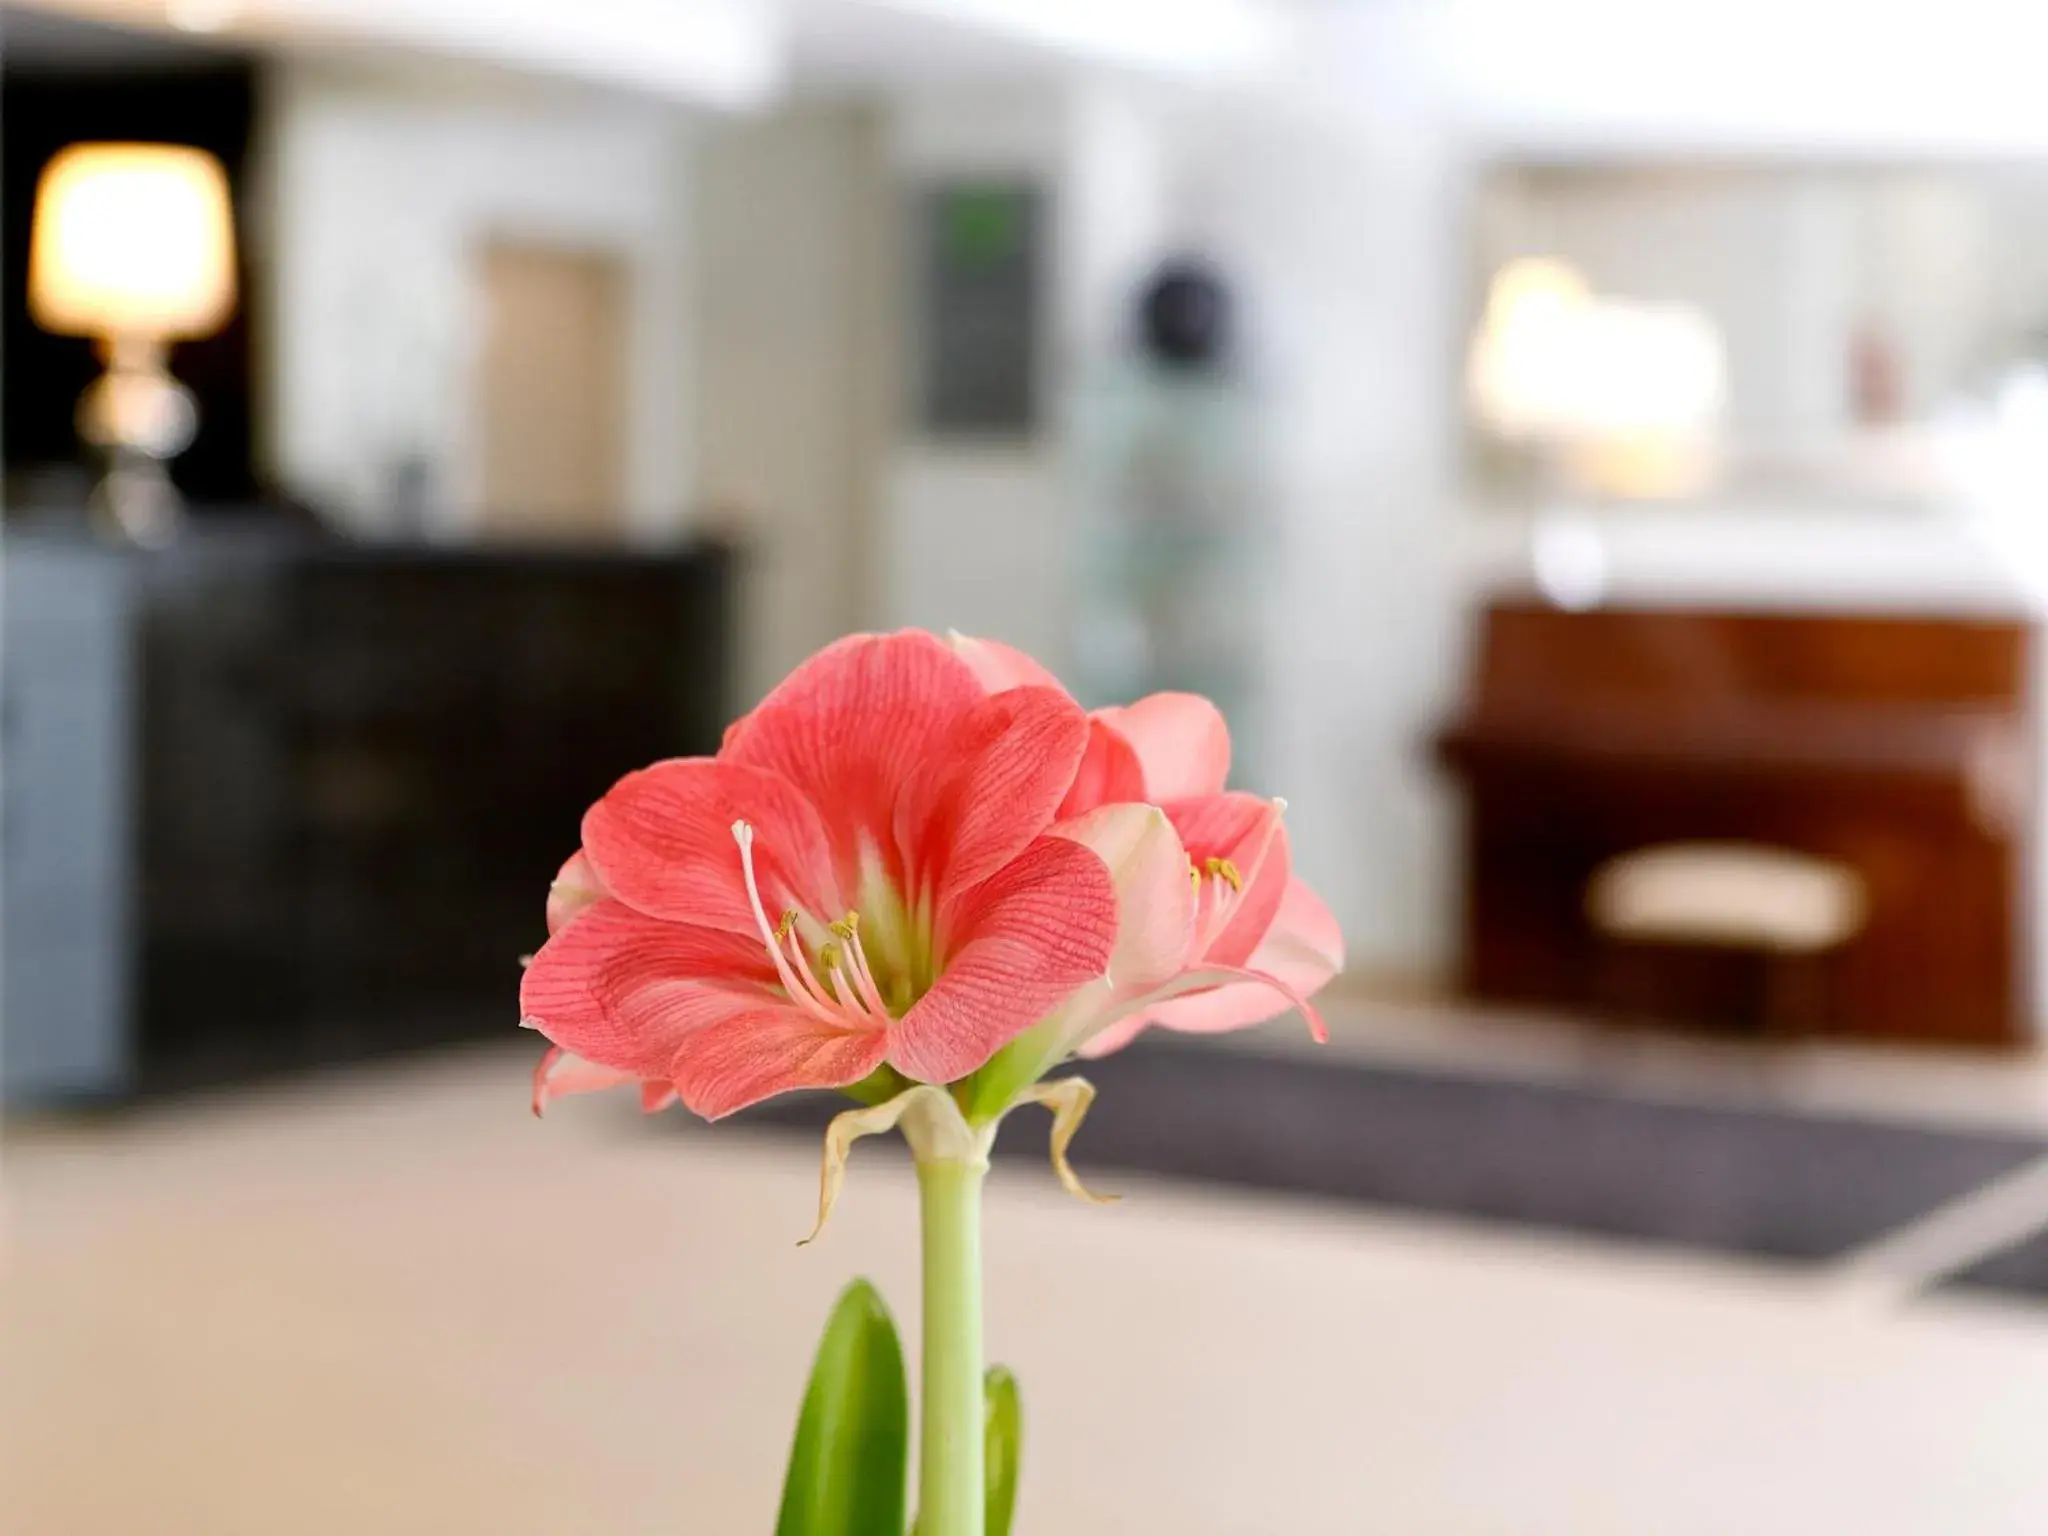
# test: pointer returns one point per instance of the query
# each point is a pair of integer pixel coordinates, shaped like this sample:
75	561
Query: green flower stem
950	1475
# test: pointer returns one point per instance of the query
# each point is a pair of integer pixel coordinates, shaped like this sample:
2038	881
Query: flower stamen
860	1006
860	974
815	986
1219	884
743	834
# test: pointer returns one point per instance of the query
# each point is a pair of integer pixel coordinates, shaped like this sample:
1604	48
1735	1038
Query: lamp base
135	502
140	418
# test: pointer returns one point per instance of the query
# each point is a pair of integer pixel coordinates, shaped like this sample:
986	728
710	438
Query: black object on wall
1184	313
209	105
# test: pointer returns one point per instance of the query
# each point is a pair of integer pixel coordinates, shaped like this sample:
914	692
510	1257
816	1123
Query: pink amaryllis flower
862	877
1256	942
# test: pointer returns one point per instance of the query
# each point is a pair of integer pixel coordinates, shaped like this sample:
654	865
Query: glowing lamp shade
1626	396
1526	369
132	241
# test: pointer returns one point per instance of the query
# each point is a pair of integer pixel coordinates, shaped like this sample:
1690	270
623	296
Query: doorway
551	392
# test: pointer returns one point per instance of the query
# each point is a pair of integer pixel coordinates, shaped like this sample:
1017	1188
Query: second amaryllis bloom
1247	939
910	857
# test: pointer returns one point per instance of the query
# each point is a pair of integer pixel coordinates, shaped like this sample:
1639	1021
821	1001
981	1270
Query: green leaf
1004	1442
849	1468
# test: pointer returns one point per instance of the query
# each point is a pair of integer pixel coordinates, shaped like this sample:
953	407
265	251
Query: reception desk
271	799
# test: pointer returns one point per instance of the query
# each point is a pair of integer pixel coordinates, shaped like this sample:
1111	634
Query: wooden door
552	392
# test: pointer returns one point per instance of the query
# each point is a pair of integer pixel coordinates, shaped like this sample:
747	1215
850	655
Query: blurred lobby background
1596	454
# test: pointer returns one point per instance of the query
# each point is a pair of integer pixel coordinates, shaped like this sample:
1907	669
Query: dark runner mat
1773	1183
2023	1267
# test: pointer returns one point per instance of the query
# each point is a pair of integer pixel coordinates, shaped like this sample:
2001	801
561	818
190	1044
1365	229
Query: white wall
1340	238
975	536
982	536
1344	237
795	364
380	197
805	323
1774	557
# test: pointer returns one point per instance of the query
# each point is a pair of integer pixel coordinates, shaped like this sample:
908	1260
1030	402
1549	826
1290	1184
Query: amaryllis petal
752	1055
1107	1040
622	990
1238	836
1000	666
852	726
1304	947
994	788
1302	950
1181	739
1224	998
1148	869
574	888
661	842
563	1072
1295	946
1286	996
1012	949
1268	869
655	1097
1109	773
1217	1012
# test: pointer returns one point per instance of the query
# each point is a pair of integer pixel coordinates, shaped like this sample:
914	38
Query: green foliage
849	1468
1004	1442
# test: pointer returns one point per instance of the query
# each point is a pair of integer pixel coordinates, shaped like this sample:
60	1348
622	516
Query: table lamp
134	246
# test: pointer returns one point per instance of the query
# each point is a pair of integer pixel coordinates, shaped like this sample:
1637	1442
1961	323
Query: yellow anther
784	928
1225	871
846	926
1194	878
828	957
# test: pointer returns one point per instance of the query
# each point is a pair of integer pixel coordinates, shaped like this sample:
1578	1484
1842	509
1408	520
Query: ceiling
862	43
730	53
53	42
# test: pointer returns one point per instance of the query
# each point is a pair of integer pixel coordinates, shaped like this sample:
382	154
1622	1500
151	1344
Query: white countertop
391	1302
1749	556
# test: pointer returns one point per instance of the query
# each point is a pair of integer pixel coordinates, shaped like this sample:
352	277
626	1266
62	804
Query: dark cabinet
346	776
